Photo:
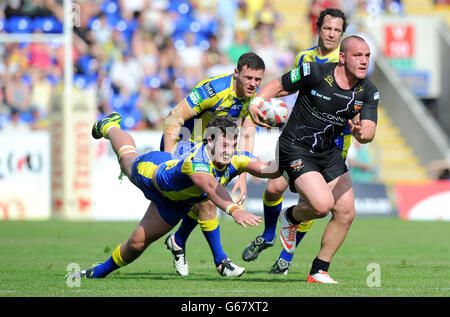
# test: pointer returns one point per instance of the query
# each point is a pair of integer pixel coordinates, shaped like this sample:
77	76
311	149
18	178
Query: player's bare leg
151	228
343	214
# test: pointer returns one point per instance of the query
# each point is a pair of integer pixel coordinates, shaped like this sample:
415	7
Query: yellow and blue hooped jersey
175	192
213	97
312	55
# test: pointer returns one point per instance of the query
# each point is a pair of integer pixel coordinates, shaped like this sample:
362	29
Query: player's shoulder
370	88
216	84
196	161
305	55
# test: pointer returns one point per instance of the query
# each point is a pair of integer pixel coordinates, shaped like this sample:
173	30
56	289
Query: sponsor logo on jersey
329	117
195	97
296	165
209	90
376	96
358	105
295	75
329	80
306	69
315	93
358	89
200	167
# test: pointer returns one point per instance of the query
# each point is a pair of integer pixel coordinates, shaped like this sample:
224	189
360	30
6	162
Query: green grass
414	258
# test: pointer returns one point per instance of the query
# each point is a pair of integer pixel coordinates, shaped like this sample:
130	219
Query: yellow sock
209	225
117	257
107	126
305	226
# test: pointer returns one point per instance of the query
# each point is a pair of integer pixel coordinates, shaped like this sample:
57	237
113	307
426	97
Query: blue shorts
181	148
171	211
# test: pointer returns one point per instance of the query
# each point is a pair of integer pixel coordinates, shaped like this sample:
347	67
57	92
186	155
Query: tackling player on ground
175	185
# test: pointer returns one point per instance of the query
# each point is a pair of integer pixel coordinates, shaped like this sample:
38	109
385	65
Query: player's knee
136	246
322	207
207	211
344	214
274	190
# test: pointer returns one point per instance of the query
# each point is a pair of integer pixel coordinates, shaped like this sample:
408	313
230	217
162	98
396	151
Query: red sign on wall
399	40
430	201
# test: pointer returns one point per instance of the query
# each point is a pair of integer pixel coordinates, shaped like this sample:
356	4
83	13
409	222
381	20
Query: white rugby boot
179	255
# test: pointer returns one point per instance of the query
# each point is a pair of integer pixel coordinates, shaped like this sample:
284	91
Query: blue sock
182	234
288	256
271	214
105	268
211	231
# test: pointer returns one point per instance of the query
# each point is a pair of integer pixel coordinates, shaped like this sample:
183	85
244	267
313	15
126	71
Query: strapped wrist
232	208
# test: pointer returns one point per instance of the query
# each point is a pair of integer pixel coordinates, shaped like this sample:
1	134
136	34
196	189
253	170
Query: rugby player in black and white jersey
331	95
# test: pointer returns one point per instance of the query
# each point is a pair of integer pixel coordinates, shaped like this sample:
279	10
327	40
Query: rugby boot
252	251
179	255
100	126
228	268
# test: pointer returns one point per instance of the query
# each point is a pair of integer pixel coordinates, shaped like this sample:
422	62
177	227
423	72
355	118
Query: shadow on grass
247	276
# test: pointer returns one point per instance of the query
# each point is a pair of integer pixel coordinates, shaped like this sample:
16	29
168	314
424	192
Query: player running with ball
330	96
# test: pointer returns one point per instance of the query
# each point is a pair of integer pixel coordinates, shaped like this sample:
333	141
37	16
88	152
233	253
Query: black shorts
295	160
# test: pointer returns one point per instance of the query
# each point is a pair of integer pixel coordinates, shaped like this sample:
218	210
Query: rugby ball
276	112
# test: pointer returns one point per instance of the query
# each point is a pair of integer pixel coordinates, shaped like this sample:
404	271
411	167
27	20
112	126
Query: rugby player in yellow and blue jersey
223	95
331	25
174	185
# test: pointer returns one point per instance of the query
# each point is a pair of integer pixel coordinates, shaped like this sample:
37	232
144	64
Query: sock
271	212
290	216
317	265
211	231
108	126
289	256
110	265
188	224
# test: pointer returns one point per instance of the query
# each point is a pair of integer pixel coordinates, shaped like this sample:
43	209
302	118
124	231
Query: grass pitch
413	257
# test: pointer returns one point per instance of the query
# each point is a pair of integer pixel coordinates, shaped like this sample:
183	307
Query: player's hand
355	128
244	218
256	114
240	185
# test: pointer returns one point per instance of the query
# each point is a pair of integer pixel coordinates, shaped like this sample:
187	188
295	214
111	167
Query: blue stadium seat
131	118
110	7
152	82
83	81
19	24
48	24
87	64
117	102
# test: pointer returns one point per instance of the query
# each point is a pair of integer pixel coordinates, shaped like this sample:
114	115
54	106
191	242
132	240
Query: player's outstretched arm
173	123
263	169
220	197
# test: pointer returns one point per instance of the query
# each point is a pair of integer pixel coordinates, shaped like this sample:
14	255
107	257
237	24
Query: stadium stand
116	37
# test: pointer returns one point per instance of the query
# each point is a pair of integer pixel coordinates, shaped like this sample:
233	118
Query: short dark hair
335	13
221	125
251	60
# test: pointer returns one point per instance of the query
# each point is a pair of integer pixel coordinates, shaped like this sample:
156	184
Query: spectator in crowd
439	170
118	45
126	74
17	91
16	124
